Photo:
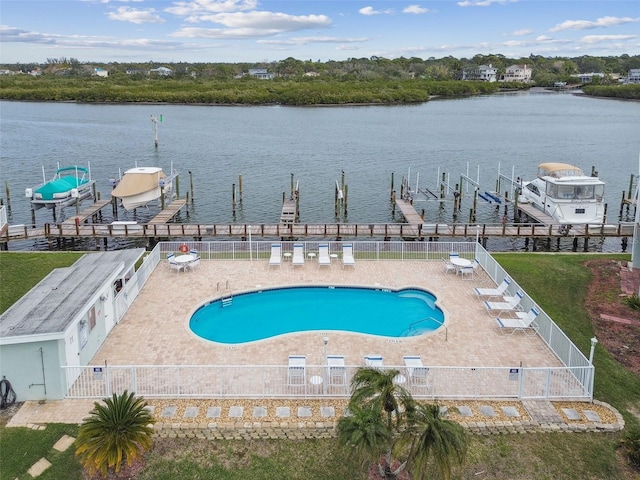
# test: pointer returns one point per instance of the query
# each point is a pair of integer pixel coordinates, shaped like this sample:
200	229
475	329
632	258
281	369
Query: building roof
55	302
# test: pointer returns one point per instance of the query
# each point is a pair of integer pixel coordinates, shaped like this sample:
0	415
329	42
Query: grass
557	282
21	271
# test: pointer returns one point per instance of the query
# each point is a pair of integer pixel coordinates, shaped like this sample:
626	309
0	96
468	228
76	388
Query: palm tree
375	389
365	431
431	435
118	430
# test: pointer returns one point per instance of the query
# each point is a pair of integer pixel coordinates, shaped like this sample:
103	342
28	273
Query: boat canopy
559	170
137	181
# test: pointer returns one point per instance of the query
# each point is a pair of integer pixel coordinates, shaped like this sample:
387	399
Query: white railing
255	381
3	216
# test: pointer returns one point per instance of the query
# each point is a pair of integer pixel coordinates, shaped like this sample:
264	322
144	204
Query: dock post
393	203
442	192
621	207
625	241
191	184
33	217
297	197
8	192
162	195
233	199
240	187
604	216
392	189
291	189
335	202
346	196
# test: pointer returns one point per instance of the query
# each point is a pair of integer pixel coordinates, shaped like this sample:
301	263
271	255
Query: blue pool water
263	314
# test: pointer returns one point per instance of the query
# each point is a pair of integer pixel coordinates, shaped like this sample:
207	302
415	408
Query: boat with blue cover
69	185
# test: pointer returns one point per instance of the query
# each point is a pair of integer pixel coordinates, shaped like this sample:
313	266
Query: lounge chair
525	322
510	304
323	254
347	255
373	360
493	292
276	255
336	371
296	372
298	254
416	372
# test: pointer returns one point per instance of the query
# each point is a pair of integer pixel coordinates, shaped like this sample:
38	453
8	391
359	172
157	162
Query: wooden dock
167	214
93	209
413	218
288	215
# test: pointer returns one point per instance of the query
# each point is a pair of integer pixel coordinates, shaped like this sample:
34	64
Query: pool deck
155	329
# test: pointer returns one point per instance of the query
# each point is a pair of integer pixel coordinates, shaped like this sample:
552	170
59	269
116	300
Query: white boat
566	194
69	185
140	186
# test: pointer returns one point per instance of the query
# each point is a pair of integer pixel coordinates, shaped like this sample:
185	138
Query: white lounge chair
373	360
298	254
416	372
296	372
493	292
276	255
525	322
510	304
336	371
323	254
347	255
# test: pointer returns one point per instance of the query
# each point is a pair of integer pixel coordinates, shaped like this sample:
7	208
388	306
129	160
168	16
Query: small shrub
633	301
630	443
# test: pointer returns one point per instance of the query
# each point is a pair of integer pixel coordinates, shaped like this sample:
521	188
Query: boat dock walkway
288	215
168	212
87	212
413	218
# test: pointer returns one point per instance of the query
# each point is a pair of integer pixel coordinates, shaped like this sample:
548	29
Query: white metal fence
256	381
574	380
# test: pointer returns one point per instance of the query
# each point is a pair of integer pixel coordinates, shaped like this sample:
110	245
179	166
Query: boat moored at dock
566	194
69	185
140	186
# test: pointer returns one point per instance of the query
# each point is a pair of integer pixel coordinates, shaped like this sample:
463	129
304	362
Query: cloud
370	11
588	24
128	14
311	40
520	33
416	9
591	39
483	3
194	9
254	24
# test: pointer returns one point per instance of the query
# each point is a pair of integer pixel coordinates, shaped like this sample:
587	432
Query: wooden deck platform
87	212
288	215
167	214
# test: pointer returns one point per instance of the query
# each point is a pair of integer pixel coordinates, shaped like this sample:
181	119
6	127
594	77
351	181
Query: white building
483	73
261	73
517	73
633	76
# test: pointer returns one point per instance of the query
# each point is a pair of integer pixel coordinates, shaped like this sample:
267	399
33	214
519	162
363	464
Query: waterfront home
517	73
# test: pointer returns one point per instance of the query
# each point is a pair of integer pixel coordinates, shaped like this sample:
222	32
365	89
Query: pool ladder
228	301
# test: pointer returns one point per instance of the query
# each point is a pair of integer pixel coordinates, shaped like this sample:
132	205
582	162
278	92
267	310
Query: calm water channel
479	136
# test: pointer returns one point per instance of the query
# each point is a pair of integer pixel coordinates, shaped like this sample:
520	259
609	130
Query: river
478	136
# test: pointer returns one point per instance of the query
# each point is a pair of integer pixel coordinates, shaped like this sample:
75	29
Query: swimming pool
263	314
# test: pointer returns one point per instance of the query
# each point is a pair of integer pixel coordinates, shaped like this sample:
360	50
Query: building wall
22	365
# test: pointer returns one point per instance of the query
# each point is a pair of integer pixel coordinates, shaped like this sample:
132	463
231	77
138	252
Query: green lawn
557	282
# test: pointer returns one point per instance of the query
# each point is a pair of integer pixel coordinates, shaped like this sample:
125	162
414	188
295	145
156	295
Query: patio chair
448	266
336	371
173	265
525	323
510	304
298	254
276	255
347	255
469	270
296	371
493	292
323	255
416	372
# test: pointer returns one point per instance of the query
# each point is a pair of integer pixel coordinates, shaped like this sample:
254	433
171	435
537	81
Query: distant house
633	76
261	73
100	72
163	71
7	72
311	74
483	73
517	73
587	77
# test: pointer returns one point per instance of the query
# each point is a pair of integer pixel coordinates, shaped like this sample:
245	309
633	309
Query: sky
231	31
